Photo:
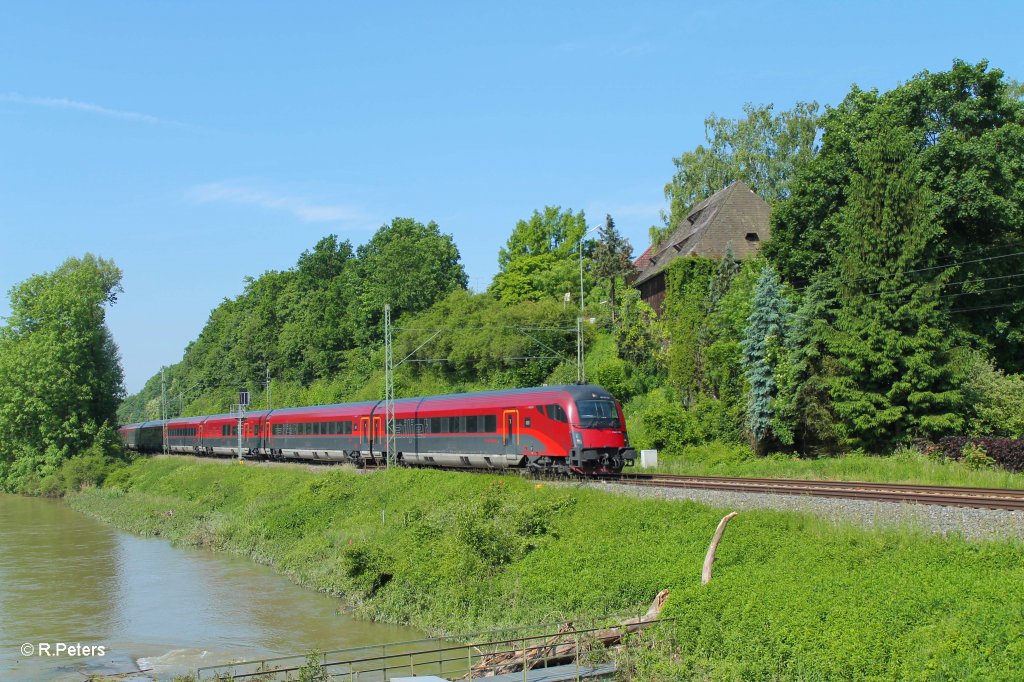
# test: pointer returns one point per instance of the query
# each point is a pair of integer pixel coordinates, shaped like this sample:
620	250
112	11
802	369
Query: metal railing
459	657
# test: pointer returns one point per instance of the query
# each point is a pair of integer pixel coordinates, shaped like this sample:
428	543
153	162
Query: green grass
905	466
792	597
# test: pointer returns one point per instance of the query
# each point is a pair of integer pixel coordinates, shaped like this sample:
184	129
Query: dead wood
709	559
564	646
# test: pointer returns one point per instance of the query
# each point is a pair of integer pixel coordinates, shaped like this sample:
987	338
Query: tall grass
793	597
904	466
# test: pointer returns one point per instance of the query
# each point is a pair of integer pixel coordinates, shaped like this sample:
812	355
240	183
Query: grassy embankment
905	466
792	598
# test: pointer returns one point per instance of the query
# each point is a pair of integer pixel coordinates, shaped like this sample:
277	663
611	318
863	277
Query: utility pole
580	377
389	390
243	402
269	403
580	374
163	406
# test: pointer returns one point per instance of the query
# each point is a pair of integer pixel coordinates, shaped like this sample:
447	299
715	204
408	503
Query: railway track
949	496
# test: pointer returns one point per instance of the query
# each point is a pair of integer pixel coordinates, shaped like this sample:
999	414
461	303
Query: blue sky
196	143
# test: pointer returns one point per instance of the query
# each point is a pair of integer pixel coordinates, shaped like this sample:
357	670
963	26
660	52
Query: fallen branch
709	559
563	646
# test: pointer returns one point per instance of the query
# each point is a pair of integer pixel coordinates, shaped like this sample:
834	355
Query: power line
946	266
496	326
987	307
962	281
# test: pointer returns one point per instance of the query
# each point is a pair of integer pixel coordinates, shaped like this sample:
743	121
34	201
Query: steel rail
950	496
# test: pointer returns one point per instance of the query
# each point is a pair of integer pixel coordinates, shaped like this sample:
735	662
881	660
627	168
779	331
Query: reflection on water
65	577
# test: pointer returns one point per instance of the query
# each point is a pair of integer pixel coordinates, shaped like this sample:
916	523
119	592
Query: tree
763	337
613	258
639	334
408	265
763	149
60	374
967	129
803	415
540	257
890	339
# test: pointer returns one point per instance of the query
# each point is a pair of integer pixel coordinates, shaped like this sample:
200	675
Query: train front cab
600	441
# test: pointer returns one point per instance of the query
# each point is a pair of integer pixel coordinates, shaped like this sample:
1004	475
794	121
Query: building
732	216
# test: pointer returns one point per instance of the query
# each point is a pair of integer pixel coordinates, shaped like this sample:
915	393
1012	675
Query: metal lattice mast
580	374
163	406
389	389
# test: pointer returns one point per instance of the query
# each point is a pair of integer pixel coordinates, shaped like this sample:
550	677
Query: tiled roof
644	259
734	215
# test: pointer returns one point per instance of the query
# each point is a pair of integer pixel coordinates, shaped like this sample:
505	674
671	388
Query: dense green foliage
541	257
899	246
792	597
967	133
890	336
60	374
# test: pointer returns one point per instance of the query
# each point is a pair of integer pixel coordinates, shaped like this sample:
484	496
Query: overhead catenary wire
945	266
987	307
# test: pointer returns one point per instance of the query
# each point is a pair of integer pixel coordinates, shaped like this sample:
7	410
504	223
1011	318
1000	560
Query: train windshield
598	414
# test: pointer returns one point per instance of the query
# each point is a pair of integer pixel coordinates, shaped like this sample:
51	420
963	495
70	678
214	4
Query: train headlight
577	438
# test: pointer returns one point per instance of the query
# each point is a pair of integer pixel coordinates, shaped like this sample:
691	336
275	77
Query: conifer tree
761	341
613	258
891	335
802	415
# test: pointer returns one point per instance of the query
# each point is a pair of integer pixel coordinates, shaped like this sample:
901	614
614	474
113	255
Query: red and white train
561	429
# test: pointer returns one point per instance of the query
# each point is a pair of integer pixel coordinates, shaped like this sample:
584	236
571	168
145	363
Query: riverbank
792	596
67	577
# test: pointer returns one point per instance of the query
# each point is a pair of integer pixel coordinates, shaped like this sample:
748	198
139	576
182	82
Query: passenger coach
578	428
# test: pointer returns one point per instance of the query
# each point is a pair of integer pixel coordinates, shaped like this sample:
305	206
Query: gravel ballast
972	524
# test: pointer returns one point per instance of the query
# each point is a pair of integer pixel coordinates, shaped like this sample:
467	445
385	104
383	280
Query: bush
996	400
975	457
1007	453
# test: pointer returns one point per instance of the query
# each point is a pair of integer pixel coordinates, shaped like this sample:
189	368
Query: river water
66	578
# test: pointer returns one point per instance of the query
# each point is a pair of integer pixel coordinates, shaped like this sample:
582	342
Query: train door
510	419
378	435
364	434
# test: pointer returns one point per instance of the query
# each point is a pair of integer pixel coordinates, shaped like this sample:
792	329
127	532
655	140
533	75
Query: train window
471	423
323	428
332	428
435	425
557	413
490	423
